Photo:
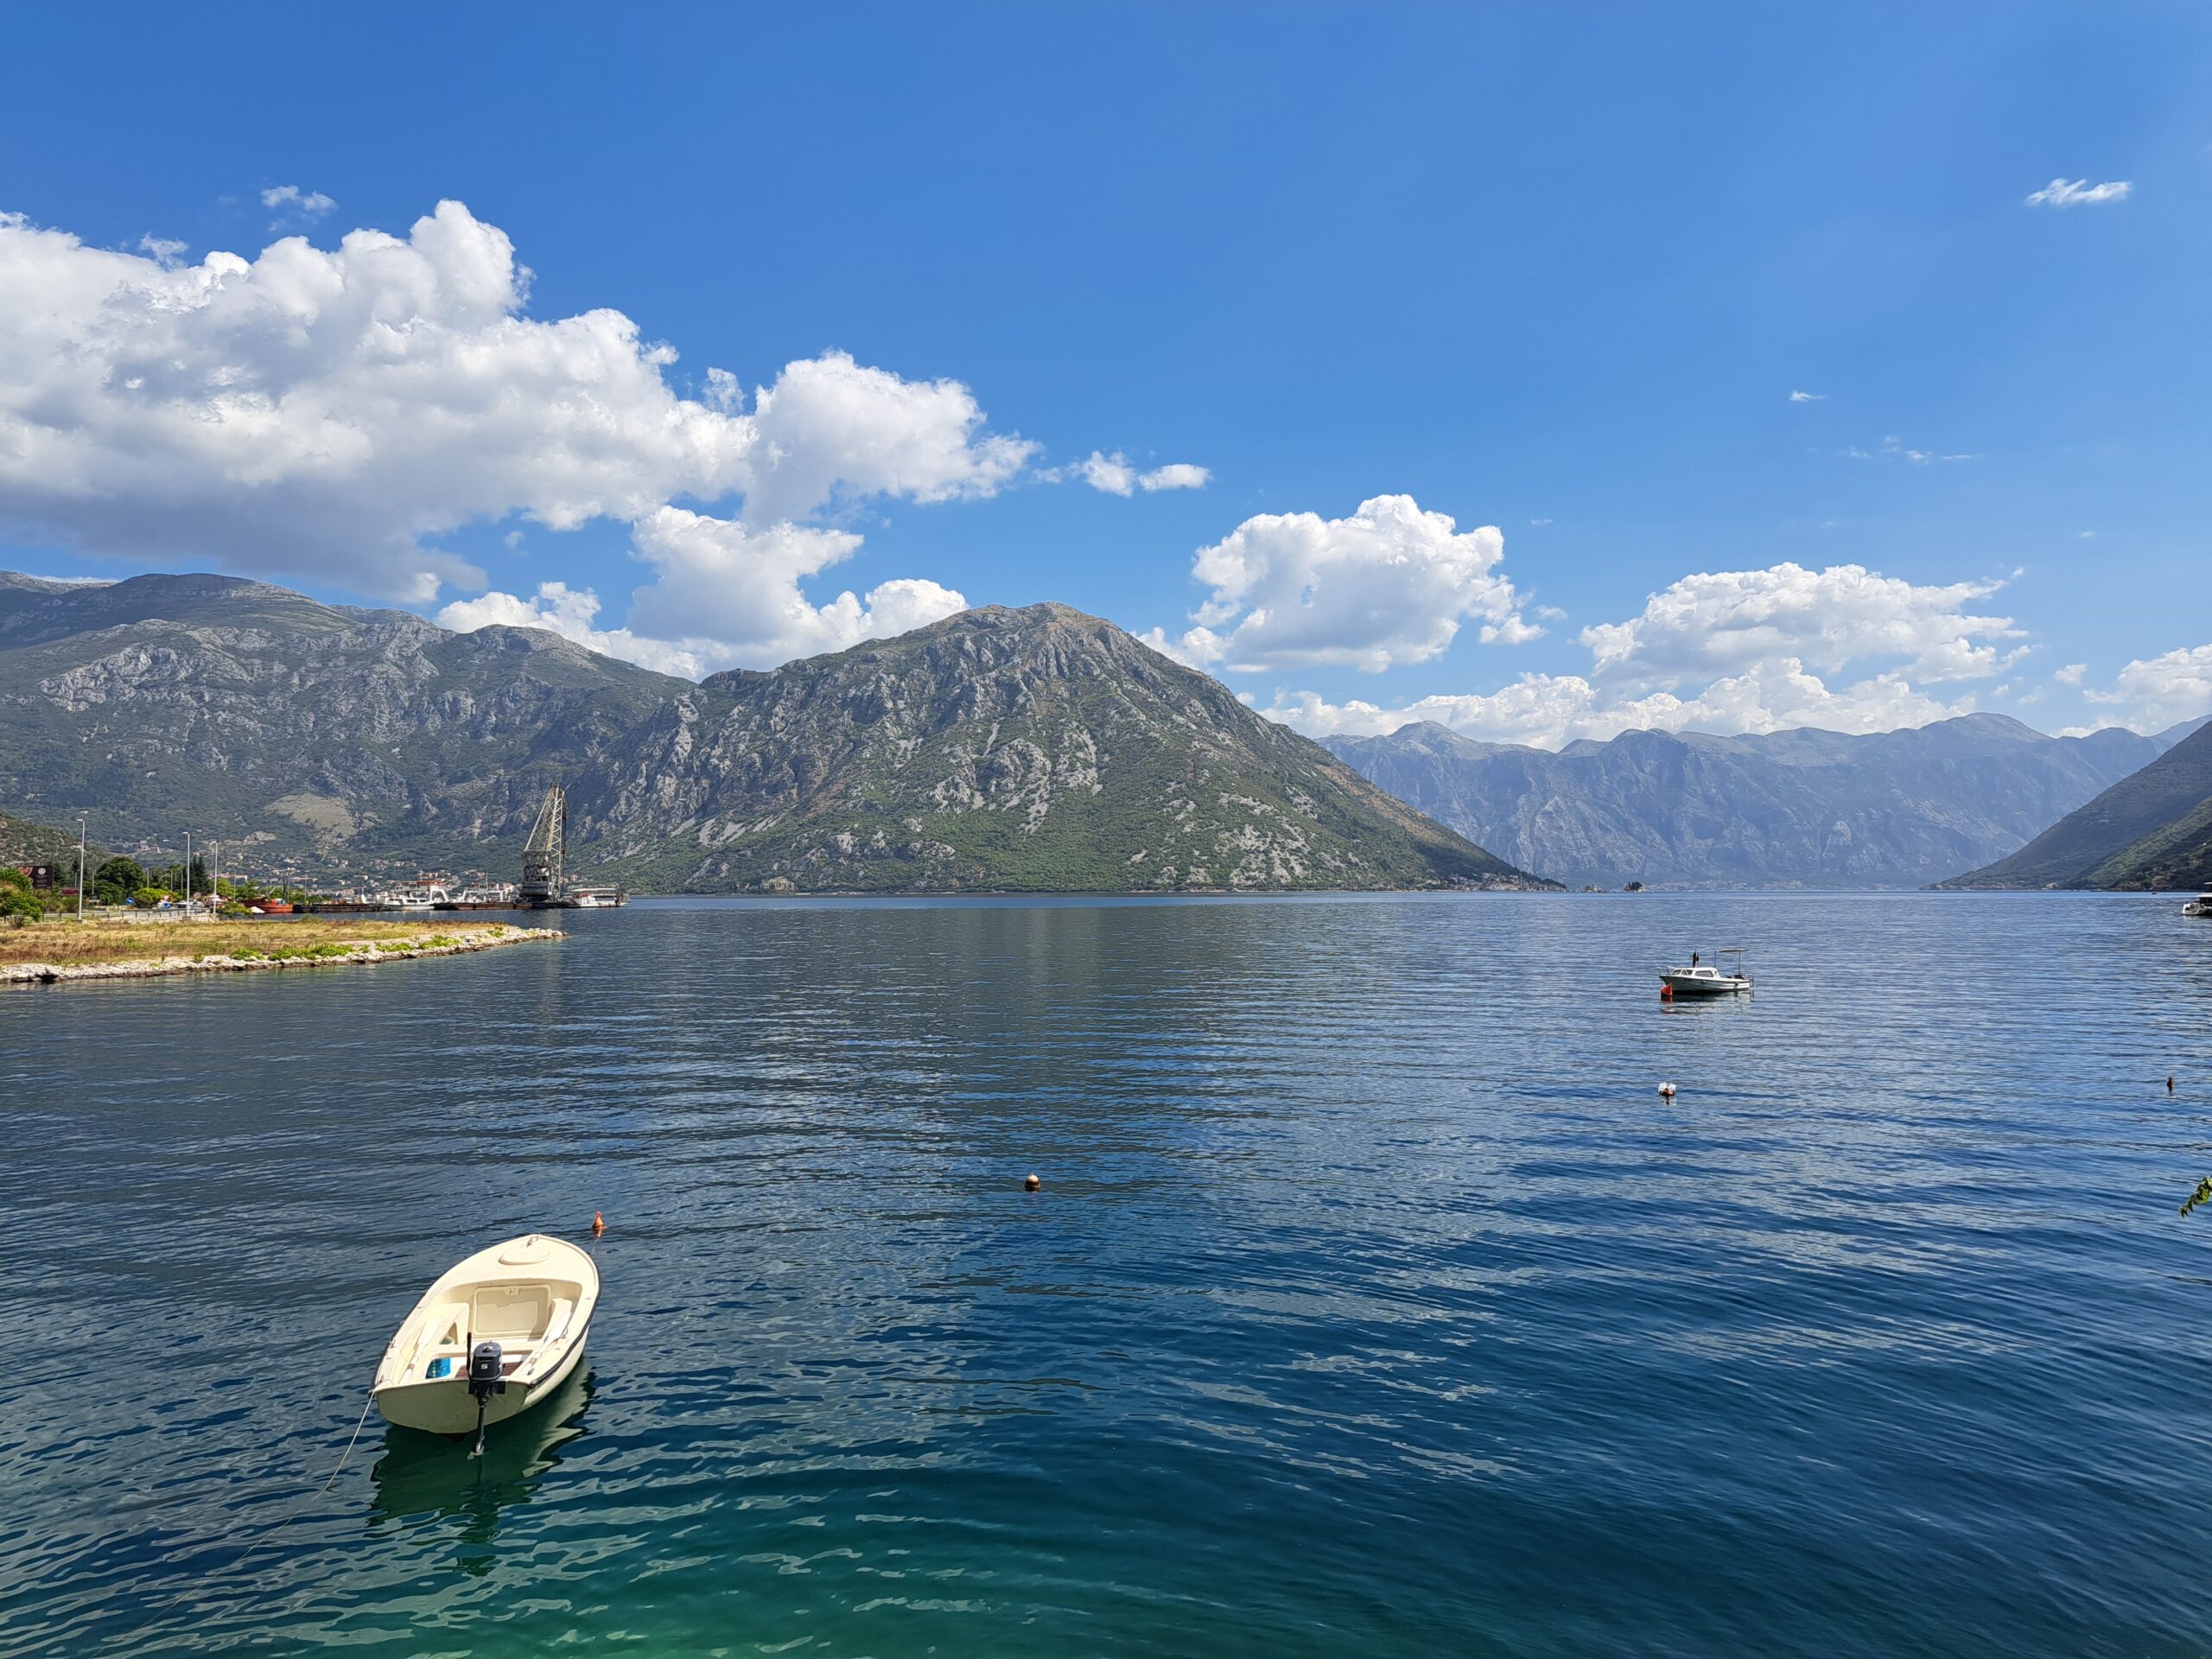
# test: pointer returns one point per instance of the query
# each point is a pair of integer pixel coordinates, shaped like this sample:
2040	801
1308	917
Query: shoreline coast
399	945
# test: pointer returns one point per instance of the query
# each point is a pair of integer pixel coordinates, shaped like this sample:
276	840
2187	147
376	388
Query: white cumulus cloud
737	586
1115	474
308	204
332	413
1723	622
1547	710
828	426
1846	649
2078	193
1389	584
727	595
1175	475
2160	691
572	613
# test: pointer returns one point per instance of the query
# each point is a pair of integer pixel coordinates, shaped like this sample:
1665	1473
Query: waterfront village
119	887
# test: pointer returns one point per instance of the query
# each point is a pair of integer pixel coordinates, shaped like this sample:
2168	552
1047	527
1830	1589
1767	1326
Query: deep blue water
1374	1301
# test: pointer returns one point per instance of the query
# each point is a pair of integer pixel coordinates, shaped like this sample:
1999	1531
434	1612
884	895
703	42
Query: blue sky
1556	271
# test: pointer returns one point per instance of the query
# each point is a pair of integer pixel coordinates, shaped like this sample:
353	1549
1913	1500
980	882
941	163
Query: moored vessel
594	898
496	1334
1703	978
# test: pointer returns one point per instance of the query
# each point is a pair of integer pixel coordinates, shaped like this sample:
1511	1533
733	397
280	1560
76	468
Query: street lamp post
82	818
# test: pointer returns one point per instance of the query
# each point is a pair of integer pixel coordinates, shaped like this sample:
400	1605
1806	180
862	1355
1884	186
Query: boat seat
511	1313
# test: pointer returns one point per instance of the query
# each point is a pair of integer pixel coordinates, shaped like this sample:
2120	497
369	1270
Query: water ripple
1374	1300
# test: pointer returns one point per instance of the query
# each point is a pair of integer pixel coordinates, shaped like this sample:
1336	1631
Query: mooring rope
269	1530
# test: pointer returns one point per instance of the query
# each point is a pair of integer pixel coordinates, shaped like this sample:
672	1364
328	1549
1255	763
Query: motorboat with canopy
1725	975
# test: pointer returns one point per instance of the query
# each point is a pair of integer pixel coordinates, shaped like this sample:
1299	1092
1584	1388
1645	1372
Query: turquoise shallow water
1373	1302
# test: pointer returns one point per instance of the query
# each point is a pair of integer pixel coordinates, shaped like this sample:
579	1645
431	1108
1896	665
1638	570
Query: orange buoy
598	1224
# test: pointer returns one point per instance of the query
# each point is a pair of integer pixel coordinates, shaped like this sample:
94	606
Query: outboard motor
484	1380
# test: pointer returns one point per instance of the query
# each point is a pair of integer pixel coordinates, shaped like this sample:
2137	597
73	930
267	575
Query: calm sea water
1373	1302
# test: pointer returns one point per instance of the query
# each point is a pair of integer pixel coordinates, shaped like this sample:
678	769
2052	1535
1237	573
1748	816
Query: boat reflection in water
422	1474
1715	1006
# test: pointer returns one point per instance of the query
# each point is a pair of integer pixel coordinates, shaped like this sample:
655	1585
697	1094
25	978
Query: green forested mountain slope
23	841
2136	834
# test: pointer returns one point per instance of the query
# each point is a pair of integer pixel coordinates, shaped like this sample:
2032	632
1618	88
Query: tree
174	878
18	904
116	878
147	898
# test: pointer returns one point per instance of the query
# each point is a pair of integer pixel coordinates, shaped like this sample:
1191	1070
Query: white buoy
1666	1091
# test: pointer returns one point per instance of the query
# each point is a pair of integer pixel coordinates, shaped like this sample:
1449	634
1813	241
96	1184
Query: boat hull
446	1406
1698	985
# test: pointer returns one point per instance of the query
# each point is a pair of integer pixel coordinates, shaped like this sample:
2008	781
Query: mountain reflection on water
1374	1300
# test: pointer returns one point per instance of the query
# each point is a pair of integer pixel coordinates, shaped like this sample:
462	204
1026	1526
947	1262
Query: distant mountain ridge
1036	749
2152	829
1802	807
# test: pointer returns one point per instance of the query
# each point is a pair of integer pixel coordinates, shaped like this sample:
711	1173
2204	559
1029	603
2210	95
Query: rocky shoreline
432	944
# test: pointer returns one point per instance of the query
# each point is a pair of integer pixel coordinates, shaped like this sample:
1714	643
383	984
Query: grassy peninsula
47	951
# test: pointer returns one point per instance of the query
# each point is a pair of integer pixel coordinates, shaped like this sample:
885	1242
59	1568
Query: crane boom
546	856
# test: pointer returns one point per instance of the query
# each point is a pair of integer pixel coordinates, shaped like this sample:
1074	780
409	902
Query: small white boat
1701	978
496	1334
595	897
2200	906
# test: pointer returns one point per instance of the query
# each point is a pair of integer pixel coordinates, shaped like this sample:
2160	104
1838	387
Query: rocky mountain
1037	749
1034	749
336	738
2152	829
1810	808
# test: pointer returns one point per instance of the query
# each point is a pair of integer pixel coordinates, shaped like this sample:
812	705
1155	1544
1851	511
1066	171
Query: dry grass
73	943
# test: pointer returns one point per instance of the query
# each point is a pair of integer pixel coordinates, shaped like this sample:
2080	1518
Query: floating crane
545	865
546	856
